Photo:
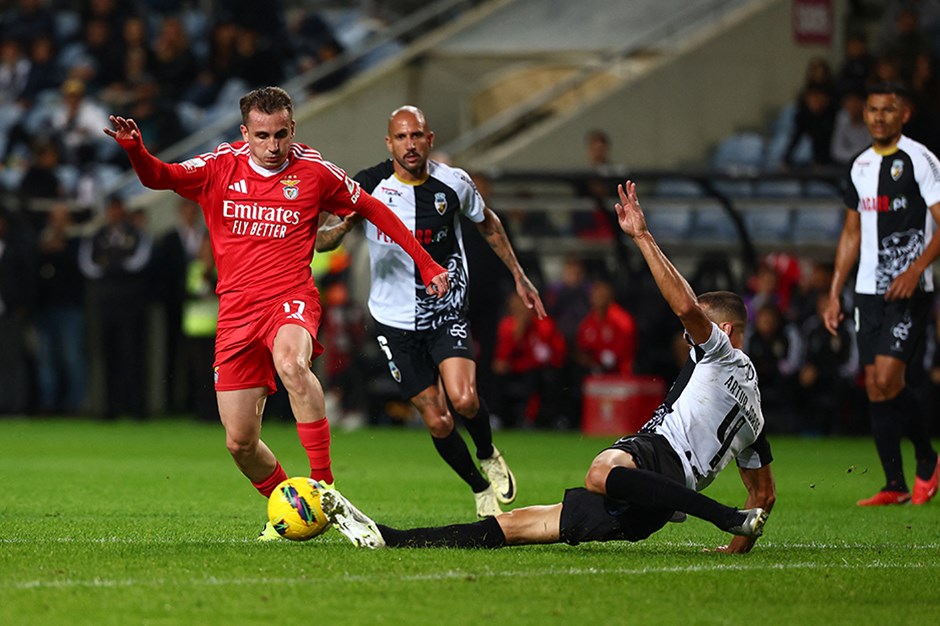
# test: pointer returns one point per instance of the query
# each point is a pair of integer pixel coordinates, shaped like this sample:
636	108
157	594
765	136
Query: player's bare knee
286	365
440	425
887	386
596	479
467	404
441	429
241	446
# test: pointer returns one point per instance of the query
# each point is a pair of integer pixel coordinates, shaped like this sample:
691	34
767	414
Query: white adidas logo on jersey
241	186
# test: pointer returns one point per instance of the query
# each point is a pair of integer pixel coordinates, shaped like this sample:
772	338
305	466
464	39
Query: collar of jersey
266	172
413	183
885	152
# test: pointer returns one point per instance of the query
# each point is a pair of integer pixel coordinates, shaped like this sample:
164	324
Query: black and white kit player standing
892	208
428	340
711	416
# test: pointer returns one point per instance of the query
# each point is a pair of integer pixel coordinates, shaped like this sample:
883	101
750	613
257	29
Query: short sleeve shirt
712	413
893	192
431	210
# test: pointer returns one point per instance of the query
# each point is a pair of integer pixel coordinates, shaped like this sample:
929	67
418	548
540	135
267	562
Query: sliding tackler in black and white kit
710	416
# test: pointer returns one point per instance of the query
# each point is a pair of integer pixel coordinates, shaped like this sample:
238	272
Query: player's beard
416	169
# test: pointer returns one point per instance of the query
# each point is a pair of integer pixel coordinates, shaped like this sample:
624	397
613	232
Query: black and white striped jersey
893	192
431	210
712	413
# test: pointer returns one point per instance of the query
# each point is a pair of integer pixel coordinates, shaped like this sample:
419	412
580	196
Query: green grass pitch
151	523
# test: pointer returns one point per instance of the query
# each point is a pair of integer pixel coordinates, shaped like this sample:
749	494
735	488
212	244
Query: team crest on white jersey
440	202
897	169
291	189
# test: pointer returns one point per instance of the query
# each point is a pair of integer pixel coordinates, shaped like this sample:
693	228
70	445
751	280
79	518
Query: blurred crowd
175	66
824	125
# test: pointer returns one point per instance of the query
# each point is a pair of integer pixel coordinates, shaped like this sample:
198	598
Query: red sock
315	438
266	486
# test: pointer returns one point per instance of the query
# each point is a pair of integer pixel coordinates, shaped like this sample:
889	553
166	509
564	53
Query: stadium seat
678	188
741	151
778	189
712	223
815	225
820	189
784	122
769	224
669	221
734	188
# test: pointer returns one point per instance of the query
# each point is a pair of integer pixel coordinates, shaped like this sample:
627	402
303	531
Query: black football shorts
413	355
895	328
587	516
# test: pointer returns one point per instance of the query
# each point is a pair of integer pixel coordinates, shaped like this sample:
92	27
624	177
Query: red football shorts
243	353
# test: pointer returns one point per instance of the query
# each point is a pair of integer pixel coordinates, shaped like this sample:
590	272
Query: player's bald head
410	110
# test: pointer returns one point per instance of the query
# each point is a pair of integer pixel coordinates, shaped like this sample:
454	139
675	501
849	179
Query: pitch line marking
811	545
213	581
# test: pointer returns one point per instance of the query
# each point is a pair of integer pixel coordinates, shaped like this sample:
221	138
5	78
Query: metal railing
537	107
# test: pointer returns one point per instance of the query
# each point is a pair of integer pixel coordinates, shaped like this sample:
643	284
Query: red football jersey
541	345
610	341
263	223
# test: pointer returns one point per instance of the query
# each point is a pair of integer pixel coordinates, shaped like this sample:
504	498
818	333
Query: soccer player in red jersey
262	199
606	338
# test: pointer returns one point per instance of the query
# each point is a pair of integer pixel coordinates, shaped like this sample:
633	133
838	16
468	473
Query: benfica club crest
291	187
440	202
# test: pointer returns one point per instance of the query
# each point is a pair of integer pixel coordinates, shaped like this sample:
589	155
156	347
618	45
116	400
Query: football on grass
294	509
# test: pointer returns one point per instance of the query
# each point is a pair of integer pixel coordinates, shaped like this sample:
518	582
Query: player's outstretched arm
151	171
332	232
846	255
674	287
761	493
493	232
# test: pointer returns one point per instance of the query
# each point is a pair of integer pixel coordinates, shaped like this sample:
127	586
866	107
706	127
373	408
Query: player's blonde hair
267	100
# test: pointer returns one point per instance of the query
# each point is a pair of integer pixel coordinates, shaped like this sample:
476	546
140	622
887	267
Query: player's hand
738	545
833	316
125	131
530	296
439	285
629	214
350	221
904	285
